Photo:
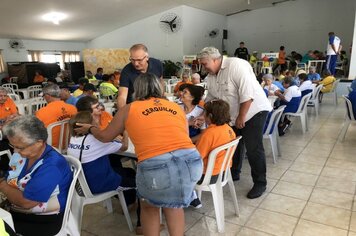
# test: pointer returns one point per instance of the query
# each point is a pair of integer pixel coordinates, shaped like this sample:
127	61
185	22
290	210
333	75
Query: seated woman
218	132
306	86
101	117
39	193
268	85
291	98
327	82
38	79
190	99
185	80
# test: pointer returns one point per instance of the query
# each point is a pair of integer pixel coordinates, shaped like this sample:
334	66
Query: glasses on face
99	106
137	60
20	148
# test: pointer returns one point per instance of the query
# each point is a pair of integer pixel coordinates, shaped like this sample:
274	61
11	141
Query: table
6	216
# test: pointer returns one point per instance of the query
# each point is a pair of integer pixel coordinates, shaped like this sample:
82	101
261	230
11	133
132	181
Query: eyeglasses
20	148
99	106
137	60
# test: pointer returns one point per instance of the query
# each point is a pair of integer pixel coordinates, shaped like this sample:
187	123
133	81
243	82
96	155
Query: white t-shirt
196	112
236	83
292	92
93	148
336	42
272	88
306	85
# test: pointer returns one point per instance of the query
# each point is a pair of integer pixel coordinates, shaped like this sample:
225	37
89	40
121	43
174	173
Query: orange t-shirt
157	126
53	112
105	119
8	108
211	138
176	88
282	57
38	79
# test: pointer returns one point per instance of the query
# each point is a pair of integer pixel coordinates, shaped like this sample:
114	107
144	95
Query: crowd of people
172	140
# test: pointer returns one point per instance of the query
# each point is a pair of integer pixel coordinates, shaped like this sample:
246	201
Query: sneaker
196	203
256	191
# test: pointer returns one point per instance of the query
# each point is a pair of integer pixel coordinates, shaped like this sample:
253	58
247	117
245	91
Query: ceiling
88	19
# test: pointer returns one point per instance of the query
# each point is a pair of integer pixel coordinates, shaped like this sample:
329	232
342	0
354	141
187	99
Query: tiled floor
311	189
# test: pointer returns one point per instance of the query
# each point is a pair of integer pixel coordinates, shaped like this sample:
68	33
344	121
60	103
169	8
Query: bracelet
89	130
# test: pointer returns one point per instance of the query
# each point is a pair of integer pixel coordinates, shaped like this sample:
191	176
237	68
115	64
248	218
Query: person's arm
122	97
241	118
15	196
115	127
124	142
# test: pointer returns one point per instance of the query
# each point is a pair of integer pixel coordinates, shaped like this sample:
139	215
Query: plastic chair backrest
273	121
316	92
34	91
230	150
36	105
303	103
335	84
76	168
63	134
11	85
349	111
9	89
14	97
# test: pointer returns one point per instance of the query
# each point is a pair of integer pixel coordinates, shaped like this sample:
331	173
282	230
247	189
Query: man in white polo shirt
333	49
233	80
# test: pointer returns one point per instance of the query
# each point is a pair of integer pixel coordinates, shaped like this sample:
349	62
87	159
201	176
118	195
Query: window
54	57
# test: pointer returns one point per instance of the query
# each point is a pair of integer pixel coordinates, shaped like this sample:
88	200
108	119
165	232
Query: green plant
170	68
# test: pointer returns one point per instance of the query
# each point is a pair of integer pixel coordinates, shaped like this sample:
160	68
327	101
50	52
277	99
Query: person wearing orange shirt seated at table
101	117
7	106
218	132
56	110
38	77
185	80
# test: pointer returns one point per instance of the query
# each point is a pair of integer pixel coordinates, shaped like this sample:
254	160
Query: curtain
70	56
2	65
35	55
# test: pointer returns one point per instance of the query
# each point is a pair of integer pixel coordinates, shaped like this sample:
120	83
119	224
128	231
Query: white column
352	73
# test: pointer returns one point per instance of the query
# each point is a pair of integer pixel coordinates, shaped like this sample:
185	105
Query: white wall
198	24
298	25
13	55
352	72
189	40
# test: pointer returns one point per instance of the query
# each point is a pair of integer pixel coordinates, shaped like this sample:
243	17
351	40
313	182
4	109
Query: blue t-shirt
279	85
352	97
314	77
129	74
72	100
54	171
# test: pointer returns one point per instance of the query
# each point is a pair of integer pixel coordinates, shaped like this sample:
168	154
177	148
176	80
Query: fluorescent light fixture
54	17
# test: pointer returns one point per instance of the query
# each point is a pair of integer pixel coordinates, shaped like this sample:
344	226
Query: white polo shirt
306	85
291	92
236	83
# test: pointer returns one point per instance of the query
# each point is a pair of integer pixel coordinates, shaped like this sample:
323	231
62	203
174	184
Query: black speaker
225	34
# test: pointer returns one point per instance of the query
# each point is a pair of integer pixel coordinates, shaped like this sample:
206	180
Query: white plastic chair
266	70
35	105
83	196
333	91
301	66
63	135
11	85
14	97
349	118
301	112
69	226
34	91
271	132
223	179
314	100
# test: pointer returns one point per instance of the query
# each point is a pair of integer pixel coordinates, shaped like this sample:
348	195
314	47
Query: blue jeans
168	180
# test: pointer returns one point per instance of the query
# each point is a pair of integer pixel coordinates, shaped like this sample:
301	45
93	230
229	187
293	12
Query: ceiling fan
15	43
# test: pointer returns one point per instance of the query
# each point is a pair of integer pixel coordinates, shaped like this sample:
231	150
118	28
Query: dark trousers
252	136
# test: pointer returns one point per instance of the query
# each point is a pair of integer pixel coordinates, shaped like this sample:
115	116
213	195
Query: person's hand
82	128
240	122
11	118
197	122
277	92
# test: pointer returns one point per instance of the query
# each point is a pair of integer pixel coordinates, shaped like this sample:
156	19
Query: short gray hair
52	90
147	85
4	90
196	75
209	52
29	128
